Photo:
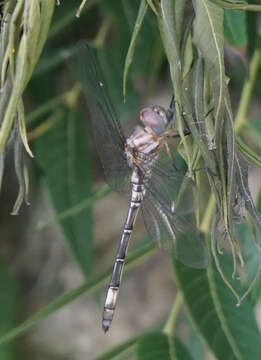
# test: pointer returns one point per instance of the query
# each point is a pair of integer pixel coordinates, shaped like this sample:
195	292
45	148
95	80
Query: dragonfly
137	162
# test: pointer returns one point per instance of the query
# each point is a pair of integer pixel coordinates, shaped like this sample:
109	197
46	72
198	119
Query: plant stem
170	324
241	116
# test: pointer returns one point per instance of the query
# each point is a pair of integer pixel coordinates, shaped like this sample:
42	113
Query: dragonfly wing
177	233
106	127
167	222
171	186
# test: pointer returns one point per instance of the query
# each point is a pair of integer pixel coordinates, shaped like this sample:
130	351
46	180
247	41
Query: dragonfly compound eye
155	118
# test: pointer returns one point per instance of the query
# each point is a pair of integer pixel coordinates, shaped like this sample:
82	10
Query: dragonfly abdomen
137	195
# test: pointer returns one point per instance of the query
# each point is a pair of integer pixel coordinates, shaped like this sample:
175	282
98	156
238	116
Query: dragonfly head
155	117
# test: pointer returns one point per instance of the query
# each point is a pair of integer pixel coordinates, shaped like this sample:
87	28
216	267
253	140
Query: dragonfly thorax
140	142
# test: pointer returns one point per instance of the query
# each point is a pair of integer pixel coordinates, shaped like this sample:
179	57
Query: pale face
155	118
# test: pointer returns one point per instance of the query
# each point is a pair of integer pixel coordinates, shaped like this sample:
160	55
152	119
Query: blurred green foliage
8	311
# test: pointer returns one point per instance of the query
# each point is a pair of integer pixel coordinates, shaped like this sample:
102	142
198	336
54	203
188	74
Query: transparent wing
170	186
168	212
108	135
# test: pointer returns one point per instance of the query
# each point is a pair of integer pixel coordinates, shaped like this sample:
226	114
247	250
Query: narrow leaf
22	127
118	350
253	131
248	153
235	27
157	345
231	332
63	155
179	9
139	21
242	5
20	170
208	37
255	261
168	34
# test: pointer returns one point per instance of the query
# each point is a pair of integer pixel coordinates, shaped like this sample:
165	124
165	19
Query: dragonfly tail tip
105	328
105	325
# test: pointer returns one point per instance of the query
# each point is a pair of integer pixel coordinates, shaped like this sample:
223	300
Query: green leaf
231	332
112	61
7	311
256	292
139	21
63	155
28	50
157	57
195	344
252	33
182	353
179	9
253	130
248	153
157	346
166	24
208	37
235	27
135	32
252	258
231	4
230	173
145	44
201	127
118	350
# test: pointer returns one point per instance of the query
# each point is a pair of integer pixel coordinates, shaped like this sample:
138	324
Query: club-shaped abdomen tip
107	318
105	325
109	307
